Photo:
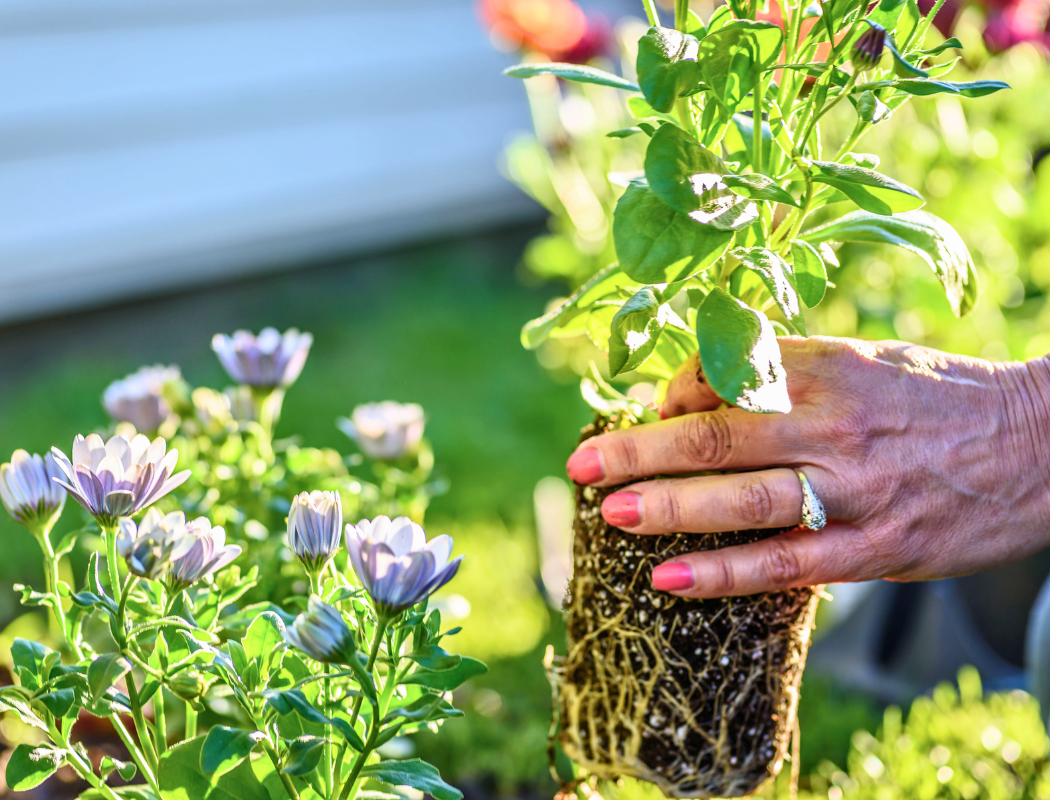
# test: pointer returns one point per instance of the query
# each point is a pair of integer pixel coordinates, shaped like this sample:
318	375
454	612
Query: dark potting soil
696	696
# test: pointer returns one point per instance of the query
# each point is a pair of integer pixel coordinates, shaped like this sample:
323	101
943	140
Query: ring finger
769	498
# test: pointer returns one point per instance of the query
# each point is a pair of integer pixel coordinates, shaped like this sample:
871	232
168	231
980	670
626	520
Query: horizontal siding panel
156	143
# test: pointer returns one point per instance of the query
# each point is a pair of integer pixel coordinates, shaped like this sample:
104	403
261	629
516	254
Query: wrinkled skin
928	464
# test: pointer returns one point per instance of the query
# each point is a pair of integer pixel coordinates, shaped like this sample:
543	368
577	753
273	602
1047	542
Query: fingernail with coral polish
673	577
585	466
622	509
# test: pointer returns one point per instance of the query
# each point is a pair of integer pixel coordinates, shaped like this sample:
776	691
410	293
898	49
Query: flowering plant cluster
302	690
723	237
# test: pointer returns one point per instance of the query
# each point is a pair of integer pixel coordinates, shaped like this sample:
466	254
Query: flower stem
651	13
191	720
110	535
380	631
160	727
80	766
136	752
52	579
276	761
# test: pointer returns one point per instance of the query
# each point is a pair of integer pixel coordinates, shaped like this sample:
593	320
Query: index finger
729	438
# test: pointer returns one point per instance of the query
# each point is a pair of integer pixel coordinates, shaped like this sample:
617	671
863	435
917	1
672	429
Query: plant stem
110	535
191	720
651	13
136	752
81	767
756	127
141	728
276	761
160	727
51	578
922	26
381	625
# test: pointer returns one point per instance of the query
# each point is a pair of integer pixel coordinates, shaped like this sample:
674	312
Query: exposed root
695	696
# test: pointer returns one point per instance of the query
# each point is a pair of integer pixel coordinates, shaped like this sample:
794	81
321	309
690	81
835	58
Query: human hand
928	465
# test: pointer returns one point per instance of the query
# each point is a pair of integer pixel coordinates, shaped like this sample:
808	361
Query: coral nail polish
672	577
622	509
585	466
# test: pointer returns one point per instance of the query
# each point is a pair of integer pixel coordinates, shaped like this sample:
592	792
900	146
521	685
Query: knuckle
723	577
781	564
705	439
755	502
669	511
624	455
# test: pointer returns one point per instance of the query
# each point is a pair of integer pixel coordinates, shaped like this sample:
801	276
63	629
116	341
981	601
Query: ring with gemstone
813	516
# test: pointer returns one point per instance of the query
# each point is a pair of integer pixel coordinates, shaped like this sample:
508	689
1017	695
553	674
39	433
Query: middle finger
729	438
769	498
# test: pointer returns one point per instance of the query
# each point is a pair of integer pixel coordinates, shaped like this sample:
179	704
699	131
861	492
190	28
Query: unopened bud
867	50
188	685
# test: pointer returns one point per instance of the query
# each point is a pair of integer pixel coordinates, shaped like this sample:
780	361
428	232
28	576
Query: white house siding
151	144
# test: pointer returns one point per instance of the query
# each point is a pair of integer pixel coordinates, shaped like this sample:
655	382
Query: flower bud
867	50
315	522
188	685
28	492
322	633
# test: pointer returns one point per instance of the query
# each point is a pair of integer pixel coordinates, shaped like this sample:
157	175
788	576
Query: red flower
1023	21
551	27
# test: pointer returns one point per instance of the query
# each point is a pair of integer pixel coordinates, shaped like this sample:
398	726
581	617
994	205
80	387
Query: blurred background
170	169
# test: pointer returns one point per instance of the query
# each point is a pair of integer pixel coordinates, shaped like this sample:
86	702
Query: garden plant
212	694
722	241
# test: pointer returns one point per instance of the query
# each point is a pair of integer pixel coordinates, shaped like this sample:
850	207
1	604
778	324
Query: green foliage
717	198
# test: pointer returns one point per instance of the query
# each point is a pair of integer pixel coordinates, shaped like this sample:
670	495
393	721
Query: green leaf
887	13
739	142
449	679
125	769
687	177
104	671
811	277
963	88
929	237
634	331
181	778
870	190
870	108
304	754
284	702
603	283
655	244
947	44
433	657
572	72
759	187
58	702
740	355
901	66
30	766
667	66
264	634
426	708
415	773
623	133
17	705
27	659
224	748
775	273
732	59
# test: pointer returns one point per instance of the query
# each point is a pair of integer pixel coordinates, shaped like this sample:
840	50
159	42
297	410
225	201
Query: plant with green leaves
723	241
301	693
